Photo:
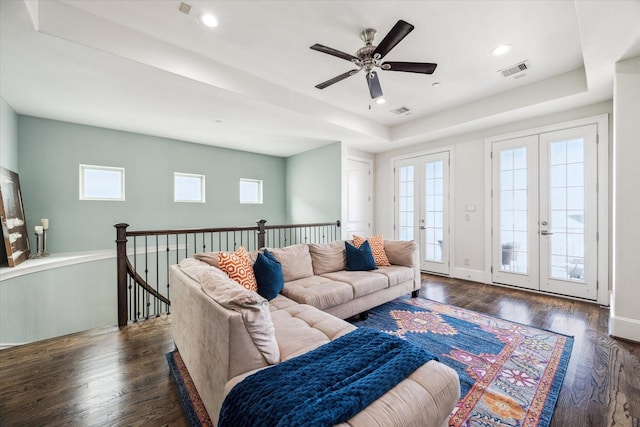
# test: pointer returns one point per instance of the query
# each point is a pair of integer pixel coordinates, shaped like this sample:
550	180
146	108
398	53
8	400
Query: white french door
422	208
545	212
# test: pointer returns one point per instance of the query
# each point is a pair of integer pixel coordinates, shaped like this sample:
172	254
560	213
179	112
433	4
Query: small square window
250	191
188	188
101	183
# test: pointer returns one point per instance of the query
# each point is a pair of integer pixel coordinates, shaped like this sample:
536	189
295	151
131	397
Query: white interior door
358	198
545	212
422	208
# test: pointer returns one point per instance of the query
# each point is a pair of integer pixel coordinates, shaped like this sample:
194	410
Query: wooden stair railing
139	291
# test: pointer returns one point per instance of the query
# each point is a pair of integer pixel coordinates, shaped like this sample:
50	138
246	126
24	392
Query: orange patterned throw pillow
377	247
239	267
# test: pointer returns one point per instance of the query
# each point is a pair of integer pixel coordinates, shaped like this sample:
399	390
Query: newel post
261	233
121	257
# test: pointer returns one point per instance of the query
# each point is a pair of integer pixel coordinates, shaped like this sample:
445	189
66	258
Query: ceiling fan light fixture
501	50
208	19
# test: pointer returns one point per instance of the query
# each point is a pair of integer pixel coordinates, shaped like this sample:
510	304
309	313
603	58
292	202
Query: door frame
452	155
602	123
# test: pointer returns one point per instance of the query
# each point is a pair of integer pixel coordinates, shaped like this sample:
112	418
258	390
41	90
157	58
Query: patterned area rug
193	407
510	374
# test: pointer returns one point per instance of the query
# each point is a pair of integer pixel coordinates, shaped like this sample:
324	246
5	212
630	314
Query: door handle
423	227
545	233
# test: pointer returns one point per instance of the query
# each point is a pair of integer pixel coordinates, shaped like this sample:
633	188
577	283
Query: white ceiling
143	66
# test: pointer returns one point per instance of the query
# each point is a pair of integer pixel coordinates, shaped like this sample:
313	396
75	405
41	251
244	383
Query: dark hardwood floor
111	376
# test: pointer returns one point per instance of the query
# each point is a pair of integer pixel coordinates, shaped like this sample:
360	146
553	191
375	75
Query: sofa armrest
405	253
212	340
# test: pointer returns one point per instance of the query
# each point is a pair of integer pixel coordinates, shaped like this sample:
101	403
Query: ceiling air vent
515	69
401	110
185	8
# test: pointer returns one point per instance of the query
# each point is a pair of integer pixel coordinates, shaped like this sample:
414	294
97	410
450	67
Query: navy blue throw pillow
359	259
268	272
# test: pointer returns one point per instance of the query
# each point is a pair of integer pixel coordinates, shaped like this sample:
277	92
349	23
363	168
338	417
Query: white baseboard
468	274
6	345
623	327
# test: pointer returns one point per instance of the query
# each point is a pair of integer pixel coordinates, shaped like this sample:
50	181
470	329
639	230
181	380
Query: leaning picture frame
14	224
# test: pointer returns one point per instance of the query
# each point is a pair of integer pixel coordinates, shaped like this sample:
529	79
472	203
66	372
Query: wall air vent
515	69
401	110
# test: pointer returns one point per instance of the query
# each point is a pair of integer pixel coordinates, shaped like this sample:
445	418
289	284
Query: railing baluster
166	306
135	284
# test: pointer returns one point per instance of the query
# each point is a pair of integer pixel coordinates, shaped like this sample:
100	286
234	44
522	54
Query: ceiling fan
369	57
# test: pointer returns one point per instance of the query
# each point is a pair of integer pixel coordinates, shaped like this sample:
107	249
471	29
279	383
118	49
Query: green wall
49	155
314	185
58	301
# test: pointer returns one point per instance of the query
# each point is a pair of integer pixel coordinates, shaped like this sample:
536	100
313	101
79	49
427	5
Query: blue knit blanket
323	387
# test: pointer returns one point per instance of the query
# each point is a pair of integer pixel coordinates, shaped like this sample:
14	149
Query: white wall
468	237
625	306
8	137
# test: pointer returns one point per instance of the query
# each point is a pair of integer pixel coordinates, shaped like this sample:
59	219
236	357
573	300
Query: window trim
260	199
202	187
81	187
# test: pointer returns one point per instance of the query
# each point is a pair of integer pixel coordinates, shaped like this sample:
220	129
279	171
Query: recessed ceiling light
501	50
208	19
435	84
380	101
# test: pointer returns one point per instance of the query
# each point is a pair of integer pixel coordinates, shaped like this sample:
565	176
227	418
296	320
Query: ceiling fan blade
336	79
334	52
395	36
374	84
410	67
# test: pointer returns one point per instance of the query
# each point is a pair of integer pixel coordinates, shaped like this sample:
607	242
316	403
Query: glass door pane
434	210
406	202
567	209
513	210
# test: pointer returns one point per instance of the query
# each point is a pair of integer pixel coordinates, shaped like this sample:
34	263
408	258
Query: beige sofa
225	333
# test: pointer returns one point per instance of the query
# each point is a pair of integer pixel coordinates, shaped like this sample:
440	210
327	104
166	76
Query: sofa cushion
268	272
362	282
400	252
397	274
254	309
239	267
211	258
295	260
359	259
377	247
319	292
328	257
300	328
